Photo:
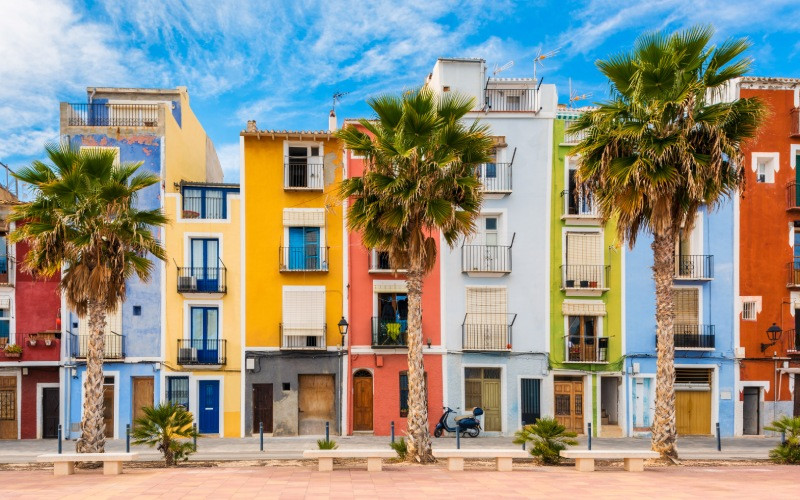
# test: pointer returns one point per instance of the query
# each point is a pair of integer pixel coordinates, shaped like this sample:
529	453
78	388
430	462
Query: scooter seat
462	417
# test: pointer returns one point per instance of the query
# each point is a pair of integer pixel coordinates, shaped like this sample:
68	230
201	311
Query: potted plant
47	337
584	283
592	284
570	283
32	337
13	350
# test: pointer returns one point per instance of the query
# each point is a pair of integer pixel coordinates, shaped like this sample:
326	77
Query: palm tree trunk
419	439
93	439
664	433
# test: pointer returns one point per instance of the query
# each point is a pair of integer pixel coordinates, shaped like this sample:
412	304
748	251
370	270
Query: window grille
8	405
178	391
749	311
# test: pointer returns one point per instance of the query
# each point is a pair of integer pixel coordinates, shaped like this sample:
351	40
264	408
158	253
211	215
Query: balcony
487	331
511	100
298	337
389	332
202	280
792	342
202	352
495	178
303	174
114	346
203	207
584	279
579	208
591	350
795	119
693	337
572	138
6	270
379	262
793	274
694	267
486	260
792	198
307	258
111	115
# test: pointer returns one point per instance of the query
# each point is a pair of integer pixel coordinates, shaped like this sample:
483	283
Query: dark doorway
750	411
50	412
262	407
530	401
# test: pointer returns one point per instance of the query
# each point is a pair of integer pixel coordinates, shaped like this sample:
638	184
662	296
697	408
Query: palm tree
666	143
83	219
167	427
419	180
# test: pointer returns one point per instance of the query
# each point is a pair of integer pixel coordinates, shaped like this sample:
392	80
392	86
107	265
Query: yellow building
202	367
293	292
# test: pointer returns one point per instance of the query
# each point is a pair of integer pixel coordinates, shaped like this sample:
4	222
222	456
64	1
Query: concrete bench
634	459
374	457
504	458
64	463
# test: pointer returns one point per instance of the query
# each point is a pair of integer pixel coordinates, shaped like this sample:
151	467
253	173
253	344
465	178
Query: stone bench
374	457
634	459
64	463
504	458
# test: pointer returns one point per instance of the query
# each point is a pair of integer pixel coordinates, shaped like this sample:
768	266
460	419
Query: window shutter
303	310
113	323
584	249
594	308
486	305
687	306
389	287
304	217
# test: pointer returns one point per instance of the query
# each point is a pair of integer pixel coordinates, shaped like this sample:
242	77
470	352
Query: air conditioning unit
738	352
188	355
187	283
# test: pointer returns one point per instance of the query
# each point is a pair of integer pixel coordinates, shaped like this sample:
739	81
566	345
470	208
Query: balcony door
3	259
304	248
205	263
490	239
582	338
303	167
205	334
392	318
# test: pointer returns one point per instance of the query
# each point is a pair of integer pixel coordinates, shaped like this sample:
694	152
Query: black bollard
719	439
127	438
590	434
59	439
458	437
194	440
523	443
783	437
392	431
327	431
261	435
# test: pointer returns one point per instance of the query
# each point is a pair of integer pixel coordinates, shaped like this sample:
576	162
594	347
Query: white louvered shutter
487	305
303	311
687	306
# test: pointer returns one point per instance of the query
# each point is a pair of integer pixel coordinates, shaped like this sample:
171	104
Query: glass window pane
491	223
214	204
212	323
197	325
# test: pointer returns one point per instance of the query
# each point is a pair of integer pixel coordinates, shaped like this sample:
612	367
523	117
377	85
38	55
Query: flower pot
592	284
584	284
13	354
32	342
48	342
570	283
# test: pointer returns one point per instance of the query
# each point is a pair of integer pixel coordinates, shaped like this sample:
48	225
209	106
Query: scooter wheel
473	432
437	433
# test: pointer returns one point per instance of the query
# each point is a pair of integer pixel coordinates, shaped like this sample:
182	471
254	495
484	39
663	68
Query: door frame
763	387
714	387
503	390
133	392
16	373
253	407
194	402
40	386
542	380
116	375
622	415
588	397
353	403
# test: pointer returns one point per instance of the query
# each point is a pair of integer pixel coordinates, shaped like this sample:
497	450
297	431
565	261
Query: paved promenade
22	451
400	481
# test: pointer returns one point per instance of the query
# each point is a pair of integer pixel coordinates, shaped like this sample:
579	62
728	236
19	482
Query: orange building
378	309
769	261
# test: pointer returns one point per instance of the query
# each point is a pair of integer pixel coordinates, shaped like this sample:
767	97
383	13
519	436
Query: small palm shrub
787	452
400	447
546	439
164	427
325	444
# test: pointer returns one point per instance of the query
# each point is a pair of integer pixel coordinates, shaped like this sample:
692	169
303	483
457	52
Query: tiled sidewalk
415	482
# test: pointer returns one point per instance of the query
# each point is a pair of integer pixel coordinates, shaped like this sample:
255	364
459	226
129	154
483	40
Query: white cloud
229	158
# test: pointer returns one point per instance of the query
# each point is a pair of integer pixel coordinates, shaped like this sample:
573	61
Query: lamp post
774	335
343	326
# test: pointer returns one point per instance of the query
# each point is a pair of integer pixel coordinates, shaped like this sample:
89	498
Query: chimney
332	121
251	126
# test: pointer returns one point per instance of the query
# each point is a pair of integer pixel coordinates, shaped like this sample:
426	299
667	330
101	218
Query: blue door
208	406
205	264
205	334
304	248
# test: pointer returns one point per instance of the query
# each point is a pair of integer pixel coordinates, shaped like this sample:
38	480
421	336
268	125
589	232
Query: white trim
242	290
541	379
187	244
194	399
794	152
737	403
774	162
714	389
344	382
187	318
503	390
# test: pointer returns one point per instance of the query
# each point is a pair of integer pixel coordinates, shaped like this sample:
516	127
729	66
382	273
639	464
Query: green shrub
789	451
164	427
324	444
400	447
546	438
13	349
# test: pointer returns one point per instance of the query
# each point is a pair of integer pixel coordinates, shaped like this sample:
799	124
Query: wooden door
8	407
262	407
569	404
693	412
490	393
316	404
362	401
143	391
50	406
108	407
482	388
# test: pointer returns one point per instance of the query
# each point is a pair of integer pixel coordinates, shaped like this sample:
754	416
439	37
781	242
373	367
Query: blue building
705	363
157	128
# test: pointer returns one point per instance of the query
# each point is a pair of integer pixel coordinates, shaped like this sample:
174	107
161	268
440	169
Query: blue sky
279	62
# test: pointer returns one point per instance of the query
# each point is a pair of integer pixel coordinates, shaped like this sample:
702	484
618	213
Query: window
204	203
205	271
392	317
584	263
513	103
304	248
113	334
3	258
749	311
137	310
490	230
303	317
486	324
5	323
303	168
583	343
178	391
687	310
204	334
404	392
765	165
761	173
579	201
8	404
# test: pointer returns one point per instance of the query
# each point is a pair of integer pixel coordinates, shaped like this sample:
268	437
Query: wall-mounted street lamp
774	335
343	326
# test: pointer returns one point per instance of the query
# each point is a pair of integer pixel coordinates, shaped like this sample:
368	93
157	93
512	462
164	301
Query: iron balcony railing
202	280
6	270
792	341
495	177
693	336
114	346
303	337
112	115
202	352
303	173
193	207
694	267
486	258
579	204
792	197
575	137
793	273
304	258
524	99
587	350
389	332
584	277
379	262
487	331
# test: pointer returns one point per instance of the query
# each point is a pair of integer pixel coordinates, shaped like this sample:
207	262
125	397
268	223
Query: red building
30	343
378	308
769	260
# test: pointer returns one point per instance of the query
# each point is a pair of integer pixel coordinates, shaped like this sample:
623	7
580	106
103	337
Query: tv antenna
574	96
500	69
537	61
337	97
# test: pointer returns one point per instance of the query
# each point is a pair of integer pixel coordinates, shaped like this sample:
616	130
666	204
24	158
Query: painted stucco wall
29	424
